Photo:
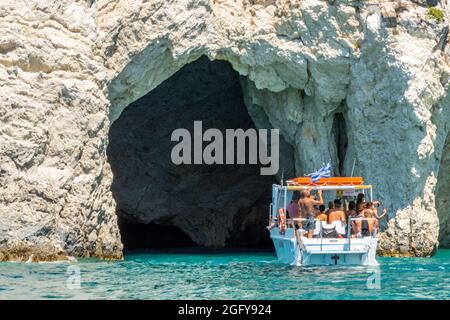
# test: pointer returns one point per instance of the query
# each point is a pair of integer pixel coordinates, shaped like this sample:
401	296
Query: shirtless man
322	216
306	205
337	214
351	212
330	207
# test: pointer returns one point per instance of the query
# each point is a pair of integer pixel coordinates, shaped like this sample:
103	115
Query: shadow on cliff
161	204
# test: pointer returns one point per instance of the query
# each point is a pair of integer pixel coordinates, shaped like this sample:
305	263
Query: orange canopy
333	181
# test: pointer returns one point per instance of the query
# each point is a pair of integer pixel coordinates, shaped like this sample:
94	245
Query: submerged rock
67	72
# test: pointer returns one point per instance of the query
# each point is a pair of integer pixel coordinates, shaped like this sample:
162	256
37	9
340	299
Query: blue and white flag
324	172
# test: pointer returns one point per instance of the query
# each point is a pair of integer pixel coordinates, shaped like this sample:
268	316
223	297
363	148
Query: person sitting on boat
351	212
336	214
306	205
364	224
322	216
330	207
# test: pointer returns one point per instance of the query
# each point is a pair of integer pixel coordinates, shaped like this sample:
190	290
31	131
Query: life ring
281	221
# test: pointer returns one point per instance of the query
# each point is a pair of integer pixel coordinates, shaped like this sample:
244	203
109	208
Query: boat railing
375	231
290	223
349	229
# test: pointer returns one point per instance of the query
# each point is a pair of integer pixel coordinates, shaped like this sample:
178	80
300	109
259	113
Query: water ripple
225	276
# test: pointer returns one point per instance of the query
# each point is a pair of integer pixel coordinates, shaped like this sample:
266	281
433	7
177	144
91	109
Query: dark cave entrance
140	236
341	140
163	205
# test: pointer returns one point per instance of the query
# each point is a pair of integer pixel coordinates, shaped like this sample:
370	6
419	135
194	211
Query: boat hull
316	251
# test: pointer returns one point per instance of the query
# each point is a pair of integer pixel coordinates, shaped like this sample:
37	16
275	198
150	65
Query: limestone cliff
69	68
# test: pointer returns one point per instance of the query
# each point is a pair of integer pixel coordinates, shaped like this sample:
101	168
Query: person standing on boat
293	210
306	205
360	203
351	212
330	208
365	224
368	225
372	209
357	224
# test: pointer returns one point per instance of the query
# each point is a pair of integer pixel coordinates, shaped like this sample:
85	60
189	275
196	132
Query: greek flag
324	172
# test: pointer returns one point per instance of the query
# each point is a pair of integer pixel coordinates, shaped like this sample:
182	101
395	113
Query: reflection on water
225	276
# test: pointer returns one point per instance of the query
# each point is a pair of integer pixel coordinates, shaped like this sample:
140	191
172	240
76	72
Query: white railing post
270	213
349	234
321	235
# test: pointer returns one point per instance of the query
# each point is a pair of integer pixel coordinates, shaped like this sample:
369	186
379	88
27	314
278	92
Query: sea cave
163	205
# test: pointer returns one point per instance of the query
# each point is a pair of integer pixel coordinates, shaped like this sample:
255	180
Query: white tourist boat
294	248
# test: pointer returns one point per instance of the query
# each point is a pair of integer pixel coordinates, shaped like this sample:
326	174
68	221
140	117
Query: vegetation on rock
436	14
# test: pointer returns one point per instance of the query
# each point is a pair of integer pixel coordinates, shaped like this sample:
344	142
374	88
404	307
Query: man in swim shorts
306	205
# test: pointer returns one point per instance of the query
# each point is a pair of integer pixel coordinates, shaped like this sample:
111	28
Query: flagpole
353	167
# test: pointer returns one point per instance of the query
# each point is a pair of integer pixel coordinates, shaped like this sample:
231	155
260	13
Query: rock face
442	197
68	70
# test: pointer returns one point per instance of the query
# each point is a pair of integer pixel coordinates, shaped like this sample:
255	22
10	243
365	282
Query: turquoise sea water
225	276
